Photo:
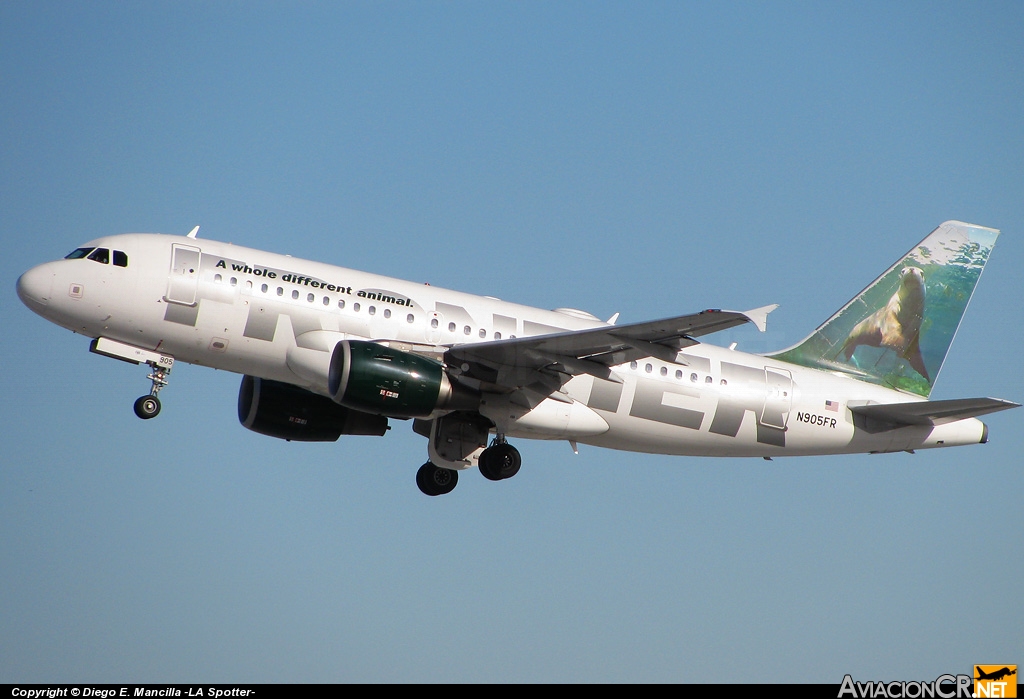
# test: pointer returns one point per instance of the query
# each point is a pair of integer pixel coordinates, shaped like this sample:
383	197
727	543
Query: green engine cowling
380	380
288	412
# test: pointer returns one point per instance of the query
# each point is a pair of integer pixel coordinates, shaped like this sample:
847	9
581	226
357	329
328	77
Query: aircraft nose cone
35	287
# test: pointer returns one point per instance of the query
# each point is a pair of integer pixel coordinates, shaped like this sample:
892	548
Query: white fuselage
277	317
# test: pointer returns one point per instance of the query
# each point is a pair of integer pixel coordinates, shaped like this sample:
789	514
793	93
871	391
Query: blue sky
648	159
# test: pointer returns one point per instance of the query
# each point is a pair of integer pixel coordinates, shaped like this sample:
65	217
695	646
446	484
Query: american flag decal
832	405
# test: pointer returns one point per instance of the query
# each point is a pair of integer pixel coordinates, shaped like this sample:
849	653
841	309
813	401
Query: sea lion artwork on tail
891	313
897	325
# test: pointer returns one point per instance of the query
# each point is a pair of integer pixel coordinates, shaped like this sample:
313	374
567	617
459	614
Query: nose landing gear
148	406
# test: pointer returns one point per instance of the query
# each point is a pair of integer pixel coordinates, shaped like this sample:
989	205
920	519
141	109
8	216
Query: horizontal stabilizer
933	412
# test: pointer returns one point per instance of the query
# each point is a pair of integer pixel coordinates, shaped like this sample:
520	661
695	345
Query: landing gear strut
148	406
499	461
434	480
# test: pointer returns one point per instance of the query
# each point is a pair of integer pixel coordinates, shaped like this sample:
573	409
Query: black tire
499	461
433	480
147	407
506	460
488	465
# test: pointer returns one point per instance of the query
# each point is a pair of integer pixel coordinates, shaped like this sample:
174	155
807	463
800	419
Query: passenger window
410	318
295	293
387	312
120	259
467	330
451	327
709	380
632	365
483	333
497	336
217	278
355	307
234	281
372	310
327	301
280	291
78	254
101	255
264	288
310	298
679	374
341	303
693	378
648	368
433	322
664	371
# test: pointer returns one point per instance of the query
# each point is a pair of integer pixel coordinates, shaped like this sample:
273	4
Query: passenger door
184	279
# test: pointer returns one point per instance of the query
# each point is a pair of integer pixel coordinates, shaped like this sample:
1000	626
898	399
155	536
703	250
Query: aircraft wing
932	412
541	364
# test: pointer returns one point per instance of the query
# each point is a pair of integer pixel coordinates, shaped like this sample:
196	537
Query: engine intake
383	381
288	412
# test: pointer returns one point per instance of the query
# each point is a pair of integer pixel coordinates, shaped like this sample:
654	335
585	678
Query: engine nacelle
376	379
288	412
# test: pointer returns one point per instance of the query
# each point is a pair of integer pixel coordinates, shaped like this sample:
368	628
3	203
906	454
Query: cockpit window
78	254
101	255
120	259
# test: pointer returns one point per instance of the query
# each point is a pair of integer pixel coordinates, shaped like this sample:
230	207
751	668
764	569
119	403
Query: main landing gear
434	480
147	407
497	462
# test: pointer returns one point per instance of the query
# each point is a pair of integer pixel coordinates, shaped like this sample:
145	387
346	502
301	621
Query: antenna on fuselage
193	233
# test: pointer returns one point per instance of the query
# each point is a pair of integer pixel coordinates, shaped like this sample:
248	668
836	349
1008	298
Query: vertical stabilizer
897	331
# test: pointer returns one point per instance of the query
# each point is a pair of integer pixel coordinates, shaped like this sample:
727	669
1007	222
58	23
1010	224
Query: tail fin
896	332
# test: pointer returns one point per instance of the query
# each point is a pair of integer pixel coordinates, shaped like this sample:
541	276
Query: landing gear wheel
147	407
488	465
500	461
433	480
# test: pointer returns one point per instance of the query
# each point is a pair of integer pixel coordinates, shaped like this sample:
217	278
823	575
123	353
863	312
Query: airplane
326	351
995	675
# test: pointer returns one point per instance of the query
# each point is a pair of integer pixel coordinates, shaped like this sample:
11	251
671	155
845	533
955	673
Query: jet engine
288	412
372	378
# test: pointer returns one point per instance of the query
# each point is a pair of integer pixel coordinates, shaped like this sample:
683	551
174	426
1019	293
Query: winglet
613	319
193	233
759	316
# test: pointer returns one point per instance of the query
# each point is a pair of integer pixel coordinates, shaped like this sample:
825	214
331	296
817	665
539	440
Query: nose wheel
148	406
